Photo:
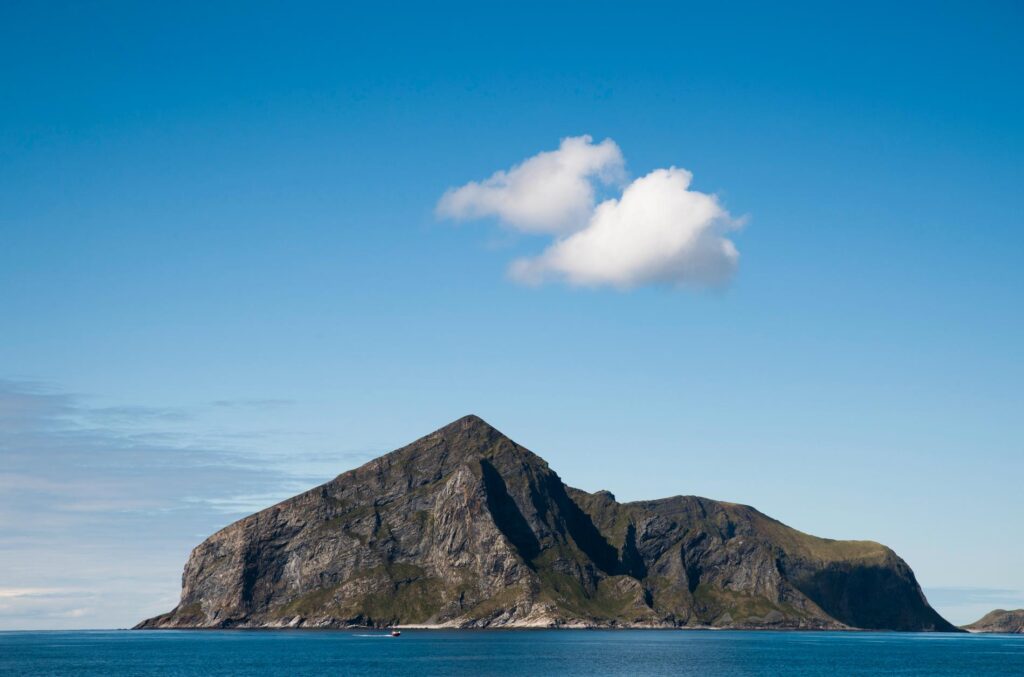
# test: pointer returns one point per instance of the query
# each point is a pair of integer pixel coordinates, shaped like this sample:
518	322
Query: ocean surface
512	652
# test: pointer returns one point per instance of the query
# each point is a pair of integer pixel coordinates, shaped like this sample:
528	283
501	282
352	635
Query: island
464	528
999	620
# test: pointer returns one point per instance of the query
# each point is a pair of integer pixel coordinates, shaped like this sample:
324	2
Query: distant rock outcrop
465	528
999	620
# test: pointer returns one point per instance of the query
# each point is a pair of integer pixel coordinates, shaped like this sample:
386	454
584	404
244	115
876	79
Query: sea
422	653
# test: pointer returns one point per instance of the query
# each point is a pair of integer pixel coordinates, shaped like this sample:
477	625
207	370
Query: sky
765	254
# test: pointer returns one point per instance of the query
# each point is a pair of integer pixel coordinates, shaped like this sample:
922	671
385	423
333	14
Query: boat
396	633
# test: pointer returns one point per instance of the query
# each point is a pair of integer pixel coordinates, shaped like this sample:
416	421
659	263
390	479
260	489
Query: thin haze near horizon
768	255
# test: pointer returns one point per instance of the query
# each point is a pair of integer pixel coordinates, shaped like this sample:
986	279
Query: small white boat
396	633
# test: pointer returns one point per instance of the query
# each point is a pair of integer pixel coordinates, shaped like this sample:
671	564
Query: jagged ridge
465	528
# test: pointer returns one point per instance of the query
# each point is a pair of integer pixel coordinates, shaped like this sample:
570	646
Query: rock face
465	528
999	620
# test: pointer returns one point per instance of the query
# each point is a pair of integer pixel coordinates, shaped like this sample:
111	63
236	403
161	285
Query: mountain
999	620
465	528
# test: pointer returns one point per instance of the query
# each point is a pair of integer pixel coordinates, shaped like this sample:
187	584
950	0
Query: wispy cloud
252	403
658	231
51	606
962	605
966	595
10	593
99	506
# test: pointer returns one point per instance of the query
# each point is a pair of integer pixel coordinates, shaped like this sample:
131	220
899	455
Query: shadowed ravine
465	528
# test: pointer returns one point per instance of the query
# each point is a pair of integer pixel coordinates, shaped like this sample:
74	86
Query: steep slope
999	620
466	528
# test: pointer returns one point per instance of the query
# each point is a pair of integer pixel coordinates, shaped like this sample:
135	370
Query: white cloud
551	192
658	231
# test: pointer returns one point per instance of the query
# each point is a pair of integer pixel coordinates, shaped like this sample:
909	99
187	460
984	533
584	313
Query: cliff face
999	620
465	528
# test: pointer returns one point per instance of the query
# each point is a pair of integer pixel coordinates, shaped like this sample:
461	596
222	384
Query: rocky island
465	528
999	620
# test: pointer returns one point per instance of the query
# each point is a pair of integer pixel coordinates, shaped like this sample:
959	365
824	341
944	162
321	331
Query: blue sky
224	277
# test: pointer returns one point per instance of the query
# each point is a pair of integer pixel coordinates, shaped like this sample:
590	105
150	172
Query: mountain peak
470	435
469	422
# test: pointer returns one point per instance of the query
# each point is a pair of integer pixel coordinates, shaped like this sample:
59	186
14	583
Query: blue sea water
515	652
